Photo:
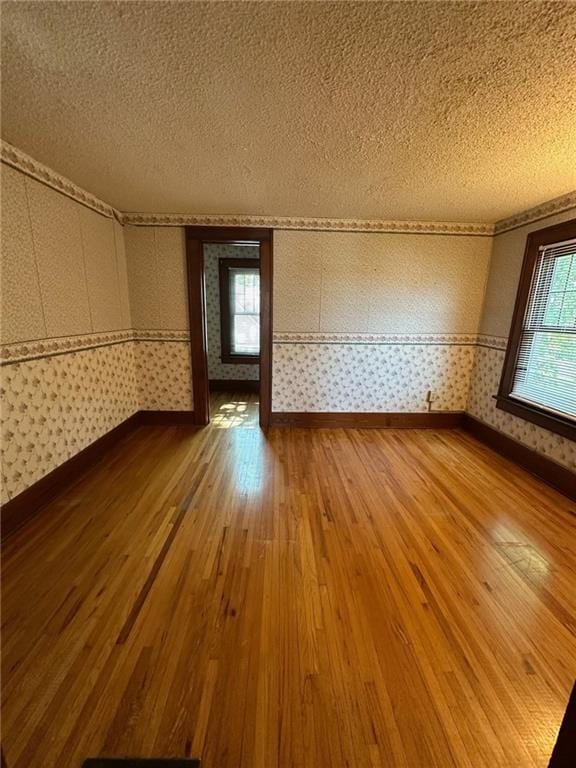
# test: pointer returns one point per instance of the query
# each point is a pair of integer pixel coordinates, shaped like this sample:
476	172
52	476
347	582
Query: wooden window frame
564	426
226	354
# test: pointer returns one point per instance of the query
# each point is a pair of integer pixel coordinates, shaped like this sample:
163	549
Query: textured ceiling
434	111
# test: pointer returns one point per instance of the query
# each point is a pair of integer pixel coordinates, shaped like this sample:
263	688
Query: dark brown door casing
196	237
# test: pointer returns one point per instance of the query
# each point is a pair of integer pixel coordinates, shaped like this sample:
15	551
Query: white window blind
545	372
245	311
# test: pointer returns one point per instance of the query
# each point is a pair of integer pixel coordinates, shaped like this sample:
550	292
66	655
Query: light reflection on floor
239	413
229	411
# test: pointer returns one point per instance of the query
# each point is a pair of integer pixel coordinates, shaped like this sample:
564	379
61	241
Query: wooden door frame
196	238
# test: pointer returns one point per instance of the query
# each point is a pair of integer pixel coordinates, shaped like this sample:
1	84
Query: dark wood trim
19	509
554	474
198	333
229	235
358	420
266	315
138	604
141	762
240	359
562	426
540	416
226	354
196	237
234	385
167	418
565	748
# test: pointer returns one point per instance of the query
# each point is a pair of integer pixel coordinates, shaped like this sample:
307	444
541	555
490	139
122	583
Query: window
539	375
240	310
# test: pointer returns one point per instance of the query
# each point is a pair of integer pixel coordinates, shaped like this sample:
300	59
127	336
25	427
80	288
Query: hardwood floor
314	598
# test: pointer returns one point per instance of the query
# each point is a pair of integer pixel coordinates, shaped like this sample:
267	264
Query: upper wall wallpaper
362	322
350	282
63	265
505	266
68	371
156	259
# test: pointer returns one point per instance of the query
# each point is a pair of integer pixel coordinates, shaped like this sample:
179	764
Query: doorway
234	343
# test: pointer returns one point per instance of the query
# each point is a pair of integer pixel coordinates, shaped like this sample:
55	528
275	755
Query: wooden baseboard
234	385
166	418
18	510
554	474
437	420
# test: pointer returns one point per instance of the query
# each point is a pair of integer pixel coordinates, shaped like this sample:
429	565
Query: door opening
230	307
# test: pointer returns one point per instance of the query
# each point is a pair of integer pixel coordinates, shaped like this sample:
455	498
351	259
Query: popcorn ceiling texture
15	158
410	111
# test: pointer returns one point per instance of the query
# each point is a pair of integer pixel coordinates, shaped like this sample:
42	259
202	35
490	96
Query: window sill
240	359
539	416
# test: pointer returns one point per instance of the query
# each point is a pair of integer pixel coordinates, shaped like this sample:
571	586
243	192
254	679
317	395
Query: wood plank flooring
312	598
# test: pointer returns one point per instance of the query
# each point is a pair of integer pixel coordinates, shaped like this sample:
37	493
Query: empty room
288	384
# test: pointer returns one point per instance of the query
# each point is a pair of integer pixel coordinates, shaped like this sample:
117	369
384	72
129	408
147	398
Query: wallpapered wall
67	353
95	325
156	258
506	263
212	253
372	322
349	333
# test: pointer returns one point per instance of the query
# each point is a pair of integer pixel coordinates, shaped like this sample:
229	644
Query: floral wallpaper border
148	335
18	159
550	207
21	351
31	350
493	342
319	224
27	350
375	338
